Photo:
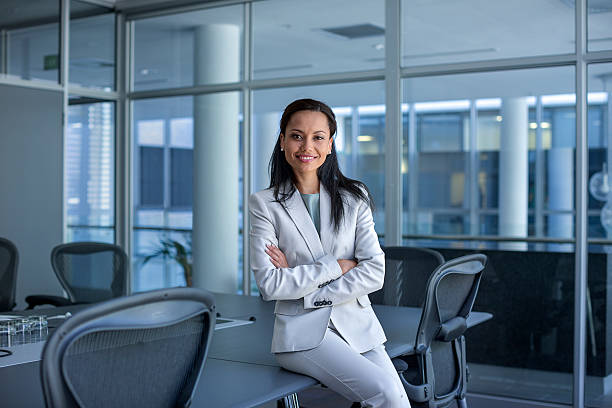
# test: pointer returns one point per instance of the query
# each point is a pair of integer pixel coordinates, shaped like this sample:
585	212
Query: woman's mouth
305	158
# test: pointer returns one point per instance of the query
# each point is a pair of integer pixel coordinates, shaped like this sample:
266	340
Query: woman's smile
305	158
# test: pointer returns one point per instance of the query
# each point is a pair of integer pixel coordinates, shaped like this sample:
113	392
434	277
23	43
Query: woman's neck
307	185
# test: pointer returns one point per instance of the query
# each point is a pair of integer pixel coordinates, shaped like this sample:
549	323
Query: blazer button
317	303
329	302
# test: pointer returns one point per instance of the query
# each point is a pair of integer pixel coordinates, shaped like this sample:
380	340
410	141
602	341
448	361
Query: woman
314	250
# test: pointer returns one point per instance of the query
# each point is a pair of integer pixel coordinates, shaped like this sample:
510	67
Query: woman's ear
281	139
331	142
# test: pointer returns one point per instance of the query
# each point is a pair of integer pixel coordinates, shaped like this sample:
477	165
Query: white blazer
312	290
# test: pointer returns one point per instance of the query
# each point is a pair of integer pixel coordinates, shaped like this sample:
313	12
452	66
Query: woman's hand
276	256
346	264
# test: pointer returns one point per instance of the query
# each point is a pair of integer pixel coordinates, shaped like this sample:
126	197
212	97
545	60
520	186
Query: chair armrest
451	329
39	300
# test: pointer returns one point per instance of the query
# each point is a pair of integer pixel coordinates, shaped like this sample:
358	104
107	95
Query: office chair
89	272
145	350
435	373
9	260
407	270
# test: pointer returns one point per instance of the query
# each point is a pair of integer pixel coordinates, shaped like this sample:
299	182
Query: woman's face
306	141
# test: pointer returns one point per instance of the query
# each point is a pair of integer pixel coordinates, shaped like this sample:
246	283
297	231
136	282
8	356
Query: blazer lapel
299	215
327	229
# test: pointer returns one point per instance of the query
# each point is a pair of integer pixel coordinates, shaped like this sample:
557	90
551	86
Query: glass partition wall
90	129
170	110
490	140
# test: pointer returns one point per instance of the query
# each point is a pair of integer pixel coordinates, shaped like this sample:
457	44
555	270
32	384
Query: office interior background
477	125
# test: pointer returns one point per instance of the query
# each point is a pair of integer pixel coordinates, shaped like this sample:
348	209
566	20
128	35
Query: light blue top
312	205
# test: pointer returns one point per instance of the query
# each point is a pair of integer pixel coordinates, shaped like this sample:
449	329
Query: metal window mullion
310	80
247	99
92	93
598	56
607	125
413	169
393	125
123	140
518	63
125	7
539	171
4	55
26	83
167	186
102	3
580	273
63	80
354	141
472	174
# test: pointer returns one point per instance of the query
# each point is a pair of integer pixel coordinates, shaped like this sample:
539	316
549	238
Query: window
184	46
92	46
448	31
325	38
89	168
492	159
182	143
181	177
32	41
151	176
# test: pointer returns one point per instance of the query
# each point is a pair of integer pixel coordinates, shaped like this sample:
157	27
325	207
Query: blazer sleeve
282	283
369	274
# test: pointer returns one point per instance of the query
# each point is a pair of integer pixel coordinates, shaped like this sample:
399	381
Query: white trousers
369	378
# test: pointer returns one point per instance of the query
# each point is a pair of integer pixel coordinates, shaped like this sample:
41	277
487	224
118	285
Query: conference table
239	371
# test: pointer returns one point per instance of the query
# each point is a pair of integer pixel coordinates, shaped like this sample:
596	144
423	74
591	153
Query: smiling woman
324	325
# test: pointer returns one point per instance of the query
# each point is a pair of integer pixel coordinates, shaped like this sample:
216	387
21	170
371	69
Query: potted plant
177	251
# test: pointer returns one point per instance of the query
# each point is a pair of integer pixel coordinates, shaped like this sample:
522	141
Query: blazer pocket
285	308
364	300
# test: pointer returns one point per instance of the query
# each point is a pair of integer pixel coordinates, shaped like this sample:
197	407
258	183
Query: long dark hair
329	173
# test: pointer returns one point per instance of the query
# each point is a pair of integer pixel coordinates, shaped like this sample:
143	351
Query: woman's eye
296	136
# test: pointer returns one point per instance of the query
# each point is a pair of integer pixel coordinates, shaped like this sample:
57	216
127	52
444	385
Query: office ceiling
301	38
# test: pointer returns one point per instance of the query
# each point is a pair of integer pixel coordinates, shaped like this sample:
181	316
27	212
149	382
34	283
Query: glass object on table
7	332
15	330
39	328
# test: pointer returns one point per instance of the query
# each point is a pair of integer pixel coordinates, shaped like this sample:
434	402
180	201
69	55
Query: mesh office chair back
407	270
91	271
441	366
9	260
145	350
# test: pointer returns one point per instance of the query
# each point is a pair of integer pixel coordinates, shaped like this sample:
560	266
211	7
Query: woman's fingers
277	257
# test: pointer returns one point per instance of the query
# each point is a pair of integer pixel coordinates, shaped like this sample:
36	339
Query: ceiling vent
356	31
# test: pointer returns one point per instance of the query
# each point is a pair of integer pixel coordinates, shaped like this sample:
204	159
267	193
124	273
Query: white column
266	129
513	168
560	180
216	160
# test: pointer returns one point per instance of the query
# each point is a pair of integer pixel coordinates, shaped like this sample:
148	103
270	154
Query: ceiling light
442	106
498	118
545	125
488	103
365	138
533	125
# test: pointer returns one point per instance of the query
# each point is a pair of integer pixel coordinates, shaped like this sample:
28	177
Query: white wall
31	183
